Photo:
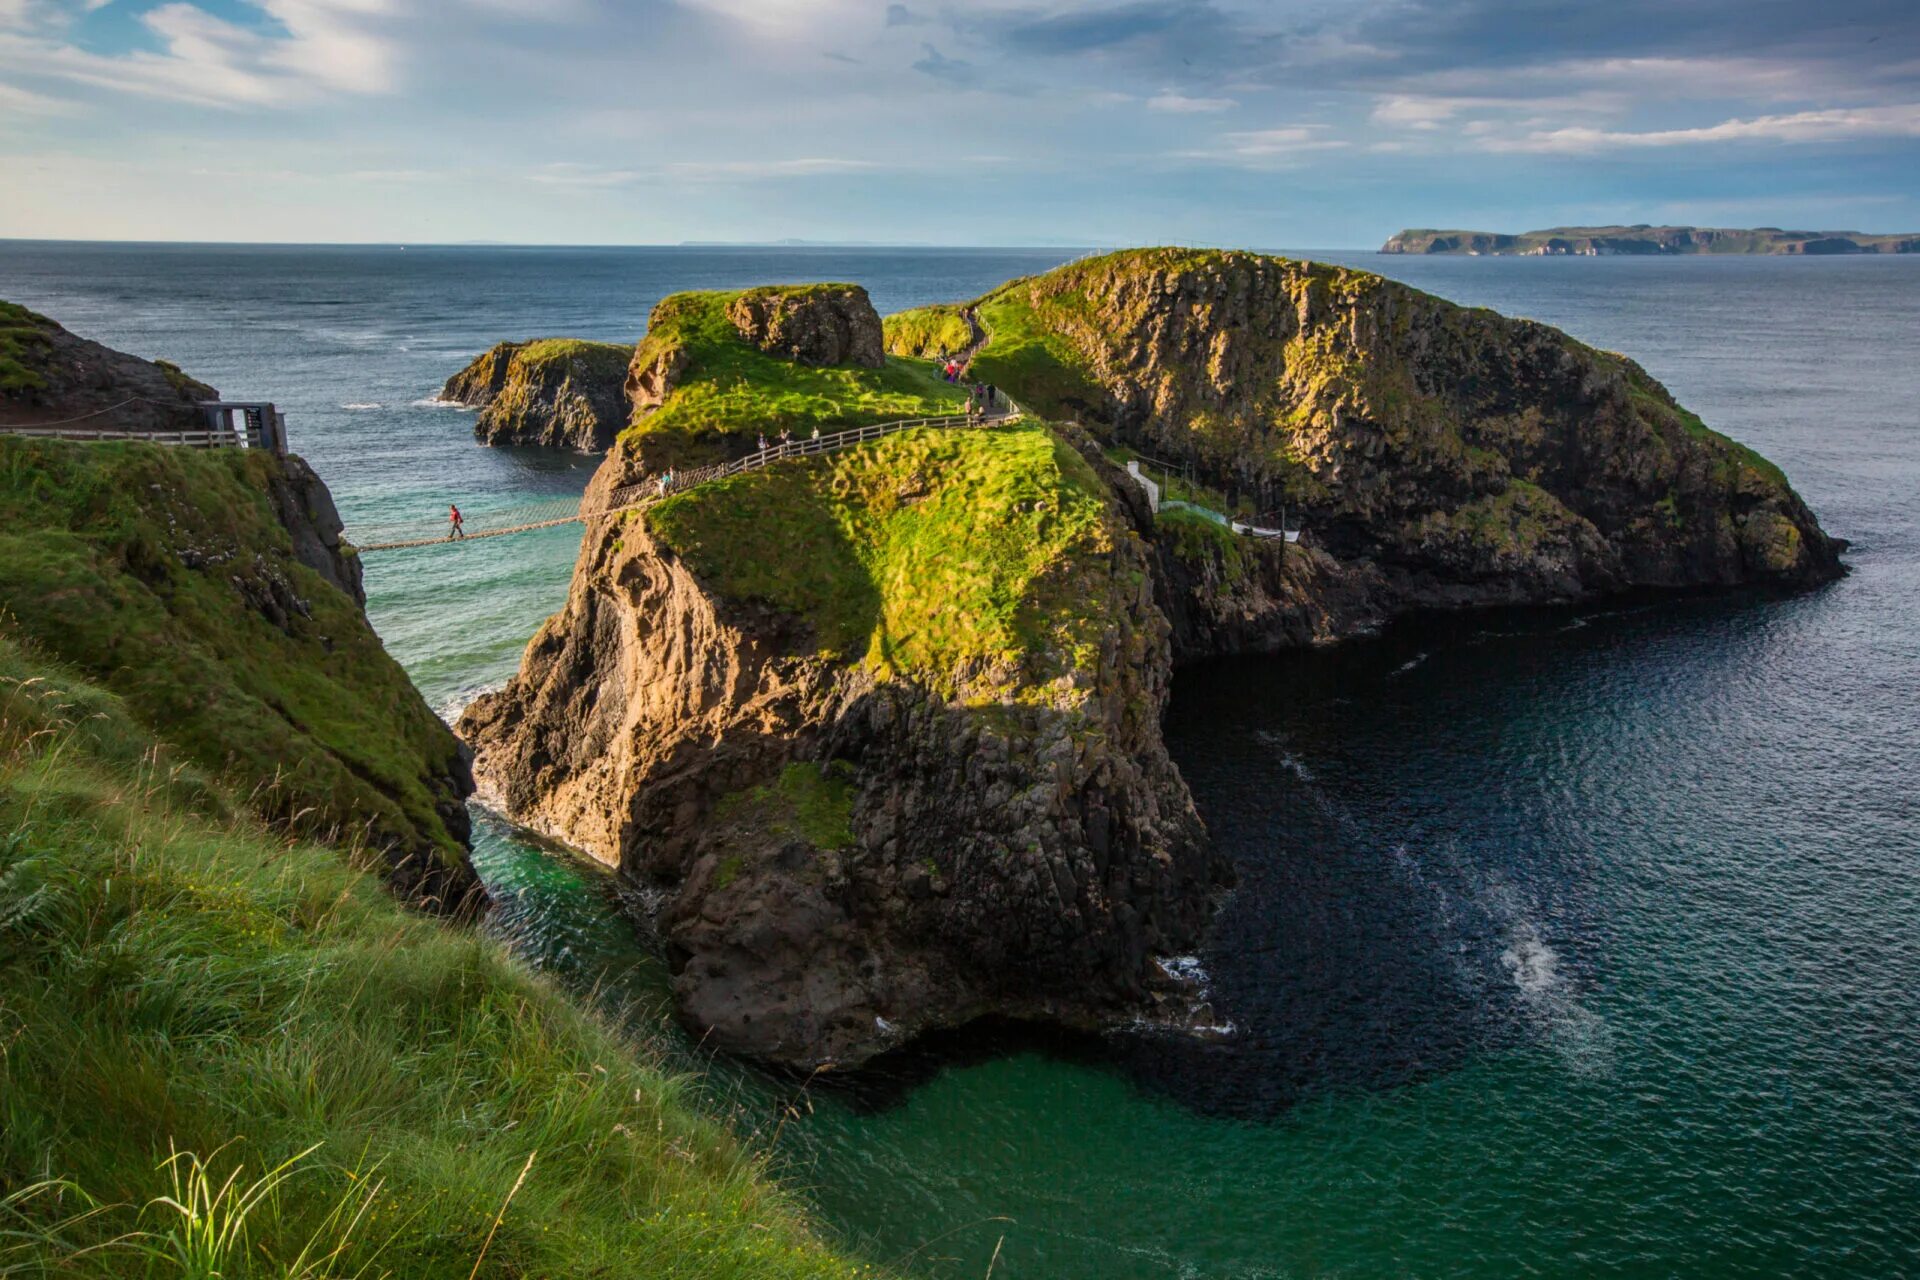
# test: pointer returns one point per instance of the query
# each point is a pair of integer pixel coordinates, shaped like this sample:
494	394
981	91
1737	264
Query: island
1642	239
873	734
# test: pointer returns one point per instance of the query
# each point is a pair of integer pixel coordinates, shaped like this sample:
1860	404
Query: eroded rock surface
555	392
821	324
844	857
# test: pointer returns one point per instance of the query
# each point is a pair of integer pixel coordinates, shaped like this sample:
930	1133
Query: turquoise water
1564	944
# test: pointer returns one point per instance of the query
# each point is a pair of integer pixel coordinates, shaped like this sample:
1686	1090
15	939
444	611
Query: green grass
927	552
1199	540
23	342
226	1053
926	332
313	723
602	357
802	802
1028	354
729	388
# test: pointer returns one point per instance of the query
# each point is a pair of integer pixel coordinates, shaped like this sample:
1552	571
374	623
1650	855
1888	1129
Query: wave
435	402
362	406
1410	664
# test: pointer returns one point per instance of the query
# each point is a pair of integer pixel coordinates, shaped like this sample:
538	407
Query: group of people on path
982	399
785	438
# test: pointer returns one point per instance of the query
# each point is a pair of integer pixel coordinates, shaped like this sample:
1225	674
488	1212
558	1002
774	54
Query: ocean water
1566	943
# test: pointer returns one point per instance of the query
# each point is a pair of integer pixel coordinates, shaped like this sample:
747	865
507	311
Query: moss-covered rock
1468	457
818	324
704	390
50	375
561	393
209	589
879	731
926	333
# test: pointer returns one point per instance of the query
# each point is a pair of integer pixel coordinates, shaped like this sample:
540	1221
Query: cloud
1837	125
801	167
898	15
1268	148
941	67
1180	104
328	46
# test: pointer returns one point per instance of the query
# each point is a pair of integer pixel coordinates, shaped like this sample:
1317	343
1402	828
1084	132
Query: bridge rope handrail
646	493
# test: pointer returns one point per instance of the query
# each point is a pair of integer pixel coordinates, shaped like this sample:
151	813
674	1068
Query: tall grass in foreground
224	1054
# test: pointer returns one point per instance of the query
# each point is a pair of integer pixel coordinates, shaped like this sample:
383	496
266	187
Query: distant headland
1643	239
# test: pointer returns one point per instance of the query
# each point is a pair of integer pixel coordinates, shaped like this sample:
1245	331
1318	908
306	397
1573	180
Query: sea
1567	942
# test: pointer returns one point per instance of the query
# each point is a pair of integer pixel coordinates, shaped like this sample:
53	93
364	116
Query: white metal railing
194	439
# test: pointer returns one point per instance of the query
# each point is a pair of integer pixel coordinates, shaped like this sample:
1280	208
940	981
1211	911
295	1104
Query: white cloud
1416	113
1180	104
1837	125
1268	148
586	175
803	167
789	16
329	46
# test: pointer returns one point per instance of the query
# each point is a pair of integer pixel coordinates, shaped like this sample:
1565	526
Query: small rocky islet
876	735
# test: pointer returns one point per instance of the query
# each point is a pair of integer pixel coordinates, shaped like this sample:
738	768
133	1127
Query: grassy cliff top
929	553
166	574
171	980
925	332
542	351
726	386
23	341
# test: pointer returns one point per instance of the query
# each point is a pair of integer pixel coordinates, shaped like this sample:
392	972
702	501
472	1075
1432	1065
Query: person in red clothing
457	529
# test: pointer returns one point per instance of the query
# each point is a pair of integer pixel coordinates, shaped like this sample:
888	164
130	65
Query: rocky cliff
211	591
879	733
820	324
1439	455
50	375
1642	239
560	393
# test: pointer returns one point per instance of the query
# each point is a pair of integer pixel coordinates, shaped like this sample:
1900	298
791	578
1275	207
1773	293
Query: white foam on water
1410	664
1188	969
1576	1033
435	402
1298	768
362	406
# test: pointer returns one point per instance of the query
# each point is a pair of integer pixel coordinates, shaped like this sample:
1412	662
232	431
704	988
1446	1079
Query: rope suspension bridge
638	497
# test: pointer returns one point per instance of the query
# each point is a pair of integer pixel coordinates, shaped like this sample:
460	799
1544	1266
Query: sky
1287	124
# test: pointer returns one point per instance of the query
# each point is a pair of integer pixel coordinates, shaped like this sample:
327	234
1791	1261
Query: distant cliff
1643	239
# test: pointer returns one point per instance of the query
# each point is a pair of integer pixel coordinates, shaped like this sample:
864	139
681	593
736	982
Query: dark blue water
1566	944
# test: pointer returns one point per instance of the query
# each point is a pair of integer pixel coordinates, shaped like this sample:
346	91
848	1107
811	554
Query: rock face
1643	239
556	392
48	375
1441	456
845	854
822	324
